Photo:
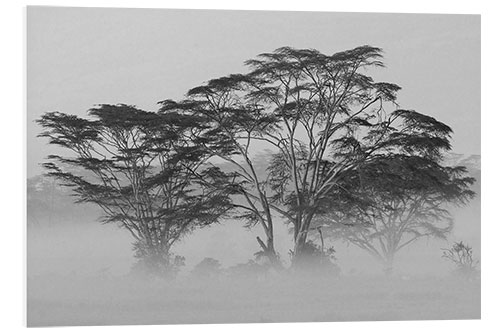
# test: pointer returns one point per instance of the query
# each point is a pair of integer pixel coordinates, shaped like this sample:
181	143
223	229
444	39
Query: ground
112	300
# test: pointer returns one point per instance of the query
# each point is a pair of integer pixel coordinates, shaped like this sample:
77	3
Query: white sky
79	57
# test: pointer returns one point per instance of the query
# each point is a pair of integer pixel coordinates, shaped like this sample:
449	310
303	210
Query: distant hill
49	203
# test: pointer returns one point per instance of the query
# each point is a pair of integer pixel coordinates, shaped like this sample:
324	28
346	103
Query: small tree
397	201
140	168
461	255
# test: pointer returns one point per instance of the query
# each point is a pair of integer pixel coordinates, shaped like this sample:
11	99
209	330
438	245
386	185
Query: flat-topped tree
140	168
231	129
320	100
406	198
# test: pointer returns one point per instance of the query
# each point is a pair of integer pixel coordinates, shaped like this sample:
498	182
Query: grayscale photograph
241	166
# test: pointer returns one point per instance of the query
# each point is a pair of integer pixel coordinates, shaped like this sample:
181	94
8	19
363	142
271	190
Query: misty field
110	301
79	275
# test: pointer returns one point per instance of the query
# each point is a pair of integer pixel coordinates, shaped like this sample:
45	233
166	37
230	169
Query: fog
80	274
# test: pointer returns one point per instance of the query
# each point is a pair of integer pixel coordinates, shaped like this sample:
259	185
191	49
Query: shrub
461	255
207	268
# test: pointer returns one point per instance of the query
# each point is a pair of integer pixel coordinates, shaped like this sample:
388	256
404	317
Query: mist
80	274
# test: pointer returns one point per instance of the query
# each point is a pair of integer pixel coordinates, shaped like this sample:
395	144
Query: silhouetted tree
324	118
141	169
231	130
404	198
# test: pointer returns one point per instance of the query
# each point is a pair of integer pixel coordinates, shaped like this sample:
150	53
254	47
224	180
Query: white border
13	151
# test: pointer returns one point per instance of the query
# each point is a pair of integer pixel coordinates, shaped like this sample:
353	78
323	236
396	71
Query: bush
157	265
249	270
315	260
461	255
207	268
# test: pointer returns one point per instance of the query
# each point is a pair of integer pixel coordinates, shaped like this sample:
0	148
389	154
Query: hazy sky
79	57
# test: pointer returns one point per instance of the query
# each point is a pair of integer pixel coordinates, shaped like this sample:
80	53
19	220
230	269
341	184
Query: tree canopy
398	201
140	168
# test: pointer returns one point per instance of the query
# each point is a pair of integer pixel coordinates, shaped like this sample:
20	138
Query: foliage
315	259
140	168
207	268
251	270
166	266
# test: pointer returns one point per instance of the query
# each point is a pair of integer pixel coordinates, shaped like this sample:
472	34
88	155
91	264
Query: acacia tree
324	117
405	198
231	129
140	168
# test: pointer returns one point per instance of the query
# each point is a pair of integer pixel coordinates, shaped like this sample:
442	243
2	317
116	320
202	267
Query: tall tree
140	168
332	118
323	116
230	131
404	199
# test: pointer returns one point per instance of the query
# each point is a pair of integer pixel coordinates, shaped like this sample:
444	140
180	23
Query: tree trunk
269	251
299	255
301	233
153	260
389	264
